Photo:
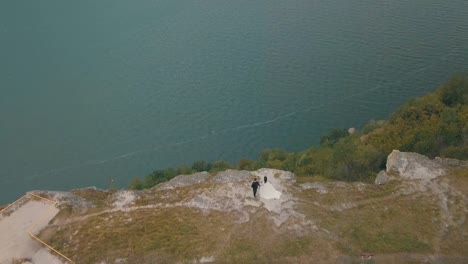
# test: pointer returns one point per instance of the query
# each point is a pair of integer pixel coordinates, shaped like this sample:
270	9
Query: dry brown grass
99	198
259	241
350	193
395	227
455	240
170	196
376	224
315	178
180	234
183	235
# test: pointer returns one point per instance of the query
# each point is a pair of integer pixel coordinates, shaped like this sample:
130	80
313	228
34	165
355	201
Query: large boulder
413	166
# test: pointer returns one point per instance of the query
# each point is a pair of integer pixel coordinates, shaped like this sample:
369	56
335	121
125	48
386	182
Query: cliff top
205	218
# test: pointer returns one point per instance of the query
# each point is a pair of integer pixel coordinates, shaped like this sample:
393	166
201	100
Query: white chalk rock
413	166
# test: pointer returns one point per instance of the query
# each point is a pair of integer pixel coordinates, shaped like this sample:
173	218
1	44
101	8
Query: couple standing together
255	185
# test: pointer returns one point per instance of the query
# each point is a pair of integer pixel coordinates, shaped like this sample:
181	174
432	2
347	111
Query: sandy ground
15	243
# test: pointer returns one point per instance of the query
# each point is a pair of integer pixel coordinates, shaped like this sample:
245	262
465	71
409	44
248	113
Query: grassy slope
382	219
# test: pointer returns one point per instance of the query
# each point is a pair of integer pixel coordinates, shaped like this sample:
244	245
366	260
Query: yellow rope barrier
37	196
42	242
35	224
8	206
50	247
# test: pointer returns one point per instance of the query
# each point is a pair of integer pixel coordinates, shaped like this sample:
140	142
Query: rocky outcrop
382	178
234	194
320	188
184	180
233	176
413	166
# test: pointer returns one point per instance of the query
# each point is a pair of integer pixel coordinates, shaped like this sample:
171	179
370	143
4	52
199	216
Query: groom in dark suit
255	185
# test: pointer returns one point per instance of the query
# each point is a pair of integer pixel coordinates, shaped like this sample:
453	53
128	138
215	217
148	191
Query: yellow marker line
13	203
50	247
52	201
36	223
29	233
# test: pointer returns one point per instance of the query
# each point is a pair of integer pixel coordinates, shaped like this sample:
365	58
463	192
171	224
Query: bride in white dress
267	191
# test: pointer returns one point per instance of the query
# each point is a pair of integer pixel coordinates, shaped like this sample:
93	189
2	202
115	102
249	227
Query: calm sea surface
97	90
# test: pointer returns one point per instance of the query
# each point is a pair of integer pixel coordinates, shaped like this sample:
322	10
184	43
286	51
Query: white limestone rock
382	178
413	166
233	176
184	180
320	188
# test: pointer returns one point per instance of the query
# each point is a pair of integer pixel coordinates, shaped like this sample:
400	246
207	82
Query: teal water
98	90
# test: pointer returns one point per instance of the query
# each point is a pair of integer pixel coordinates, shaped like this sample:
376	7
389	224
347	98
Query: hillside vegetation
433	125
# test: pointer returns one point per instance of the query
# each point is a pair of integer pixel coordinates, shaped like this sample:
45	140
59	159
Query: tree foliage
433	125
163	175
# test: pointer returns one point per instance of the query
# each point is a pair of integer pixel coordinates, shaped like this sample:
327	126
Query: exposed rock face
68	198
233	194
320	188
382	178
233	176
124	199
184	180
413	166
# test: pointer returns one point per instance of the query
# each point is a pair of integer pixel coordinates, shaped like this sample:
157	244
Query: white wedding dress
267	191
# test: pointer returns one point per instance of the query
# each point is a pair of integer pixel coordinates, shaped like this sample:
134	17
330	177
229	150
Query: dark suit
255	186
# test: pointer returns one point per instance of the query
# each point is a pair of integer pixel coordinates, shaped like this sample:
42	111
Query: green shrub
433	125
201	166
247	164
220	165
333	137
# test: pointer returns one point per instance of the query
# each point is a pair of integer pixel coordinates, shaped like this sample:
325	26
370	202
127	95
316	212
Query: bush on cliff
433	125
